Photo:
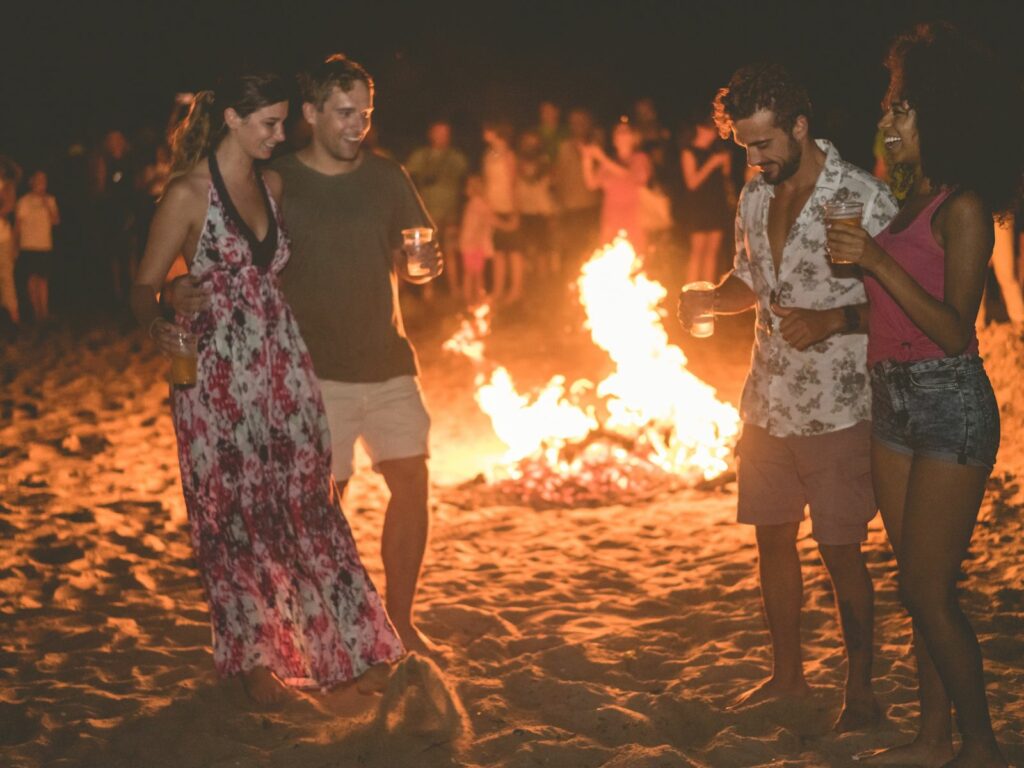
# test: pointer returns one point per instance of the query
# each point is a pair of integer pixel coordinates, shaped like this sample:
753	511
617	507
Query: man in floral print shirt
806	402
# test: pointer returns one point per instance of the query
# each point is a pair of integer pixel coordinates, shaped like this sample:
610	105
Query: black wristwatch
852	318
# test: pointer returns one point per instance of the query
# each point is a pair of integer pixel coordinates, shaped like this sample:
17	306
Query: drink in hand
418	245
844	214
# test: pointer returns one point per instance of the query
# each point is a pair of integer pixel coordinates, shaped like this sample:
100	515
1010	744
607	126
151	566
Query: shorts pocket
943	378
938	420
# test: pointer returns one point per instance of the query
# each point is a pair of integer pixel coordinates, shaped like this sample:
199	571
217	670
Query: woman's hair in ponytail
203	128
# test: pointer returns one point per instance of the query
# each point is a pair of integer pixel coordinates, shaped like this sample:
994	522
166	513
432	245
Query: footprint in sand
50	551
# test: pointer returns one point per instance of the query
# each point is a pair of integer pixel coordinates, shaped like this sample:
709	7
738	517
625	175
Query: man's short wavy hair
766	85
337	71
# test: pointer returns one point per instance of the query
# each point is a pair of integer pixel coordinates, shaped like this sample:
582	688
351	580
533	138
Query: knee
923	596
843	560
406	477
776	539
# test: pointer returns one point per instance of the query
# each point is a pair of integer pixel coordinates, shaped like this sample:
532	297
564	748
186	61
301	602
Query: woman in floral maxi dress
290	601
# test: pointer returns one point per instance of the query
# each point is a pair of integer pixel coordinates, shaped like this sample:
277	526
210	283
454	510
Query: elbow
958	344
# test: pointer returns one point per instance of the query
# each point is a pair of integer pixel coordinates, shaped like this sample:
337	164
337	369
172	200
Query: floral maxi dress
286	588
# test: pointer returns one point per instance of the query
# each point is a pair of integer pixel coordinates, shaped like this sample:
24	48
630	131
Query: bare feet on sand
771	689
374	680
921	753
264	687
355	697
978	755
858	715
415	641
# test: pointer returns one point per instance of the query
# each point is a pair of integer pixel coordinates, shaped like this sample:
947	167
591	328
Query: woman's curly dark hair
961	98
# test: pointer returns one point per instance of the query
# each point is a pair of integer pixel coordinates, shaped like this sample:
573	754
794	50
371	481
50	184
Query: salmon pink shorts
829	473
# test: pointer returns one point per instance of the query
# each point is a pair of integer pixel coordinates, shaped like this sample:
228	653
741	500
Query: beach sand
612	636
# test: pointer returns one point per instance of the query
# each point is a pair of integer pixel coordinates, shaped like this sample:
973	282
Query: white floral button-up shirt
824	387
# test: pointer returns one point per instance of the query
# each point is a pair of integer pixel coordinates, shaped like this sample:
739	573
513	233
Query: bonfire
649	426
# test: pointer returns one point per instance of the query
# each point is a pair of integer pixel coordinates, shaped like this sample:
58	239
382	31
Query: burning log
654	426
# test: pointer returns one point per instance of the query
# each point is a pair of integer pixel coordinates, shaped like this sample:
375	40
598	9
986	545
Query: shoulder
964	210
386	167
857	178
875	193
190	190
382	164
752	190
281	165
274	183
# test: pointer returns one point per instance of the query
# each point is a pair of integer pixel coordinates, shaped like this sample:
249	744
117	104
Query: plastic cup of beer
846	214
418	244
703	304
184	359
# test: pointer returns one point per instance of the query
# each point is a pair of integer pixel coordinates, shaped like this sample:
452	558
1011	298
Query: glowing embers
648	426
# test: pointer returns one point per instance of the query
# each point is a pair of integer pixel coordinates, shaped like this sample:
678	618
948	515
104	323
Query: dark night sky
69	70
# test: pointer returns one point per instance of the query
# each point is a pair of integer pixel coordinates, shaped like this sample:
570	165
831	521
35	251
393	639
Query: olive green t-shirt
340	280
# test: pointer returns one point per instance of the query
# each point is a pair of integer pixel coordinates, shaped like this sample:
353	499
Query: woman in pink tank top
935	418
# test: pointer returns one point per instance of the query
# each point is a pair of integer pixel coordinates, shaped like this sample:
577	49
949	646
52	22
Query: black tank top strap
262	250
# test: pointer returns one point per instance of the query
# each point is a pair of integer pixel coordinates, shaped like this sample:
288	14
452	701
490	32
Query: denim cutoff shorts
942	408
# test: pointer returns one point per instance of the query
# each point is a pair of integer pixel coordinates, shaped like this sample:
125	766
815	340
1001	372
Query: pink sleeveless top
891	334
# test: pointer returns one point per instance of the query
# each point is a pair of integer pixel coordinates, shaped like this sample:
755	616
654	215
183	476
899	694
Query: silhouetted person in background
112	217
708	204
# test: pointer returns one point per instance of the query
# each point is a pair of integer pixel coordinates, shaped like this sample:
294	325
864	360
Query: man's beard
791	164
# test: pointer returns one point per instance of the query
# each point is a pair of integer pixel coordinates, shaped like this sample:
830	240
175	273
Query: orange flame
660	418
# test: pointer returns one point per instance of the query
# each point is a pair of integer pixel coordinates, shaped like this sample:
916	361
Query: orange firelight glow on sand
650	423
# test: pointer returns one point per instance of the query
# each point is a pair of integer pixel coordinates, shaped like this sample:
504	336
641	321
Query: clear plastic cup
846	214
418	244
703	302
184	359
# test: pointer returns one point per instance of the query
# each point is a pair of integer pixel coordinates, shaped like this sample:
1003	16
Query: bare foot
415	641
921	753
374	680
770	689
973	755
858	714
264	687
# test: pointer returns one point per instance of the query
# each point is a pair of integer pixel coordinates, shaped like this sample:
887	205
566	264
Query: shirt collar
831	176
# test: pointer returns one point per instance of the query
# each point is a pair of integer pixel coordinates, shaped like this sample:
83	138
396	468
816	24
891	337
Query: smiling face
775	152
260	131
899	129
340	126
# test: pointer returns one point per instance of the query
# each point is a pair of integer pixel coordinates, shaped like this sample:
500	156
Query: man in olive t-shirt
344	209
341	280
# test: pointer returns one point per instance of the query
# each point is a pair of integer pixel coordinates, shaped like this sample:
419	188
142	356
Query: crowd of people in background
516	219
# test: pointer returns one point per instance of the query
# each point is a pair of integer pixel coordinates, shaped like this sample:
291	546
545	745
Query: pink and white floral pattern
286	587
